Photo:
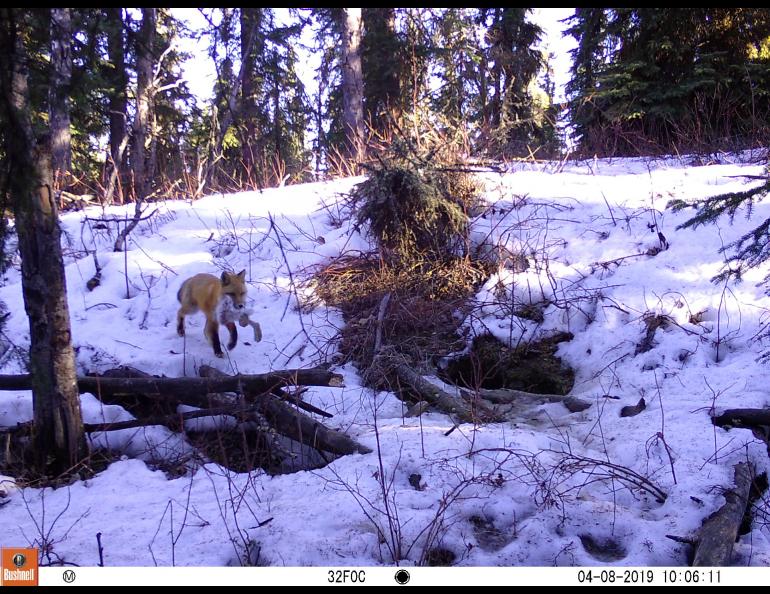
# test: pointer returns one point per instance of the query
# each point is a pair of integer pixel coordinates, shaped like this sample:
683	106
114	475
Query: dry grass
421	319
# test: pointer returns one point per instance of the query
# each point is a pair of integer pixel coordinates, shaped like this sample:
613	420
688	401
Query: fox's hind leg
185	310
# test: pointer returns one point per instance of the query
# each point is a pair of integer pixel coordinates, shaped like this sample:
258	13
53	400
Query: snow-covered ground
506	494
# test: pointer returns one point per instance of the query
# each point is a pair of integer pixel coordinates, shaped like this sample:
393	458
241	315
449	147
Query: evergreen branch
751	250
710	209
748	251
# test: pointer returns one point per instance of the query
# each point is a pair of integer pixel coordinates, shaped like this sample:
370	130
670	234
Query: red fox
209	294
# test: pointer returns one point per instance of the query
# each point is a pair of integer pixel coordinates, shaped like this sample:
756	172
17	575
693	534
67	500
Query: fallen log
453	405
233	410
23	428
181	388
718	533
294	424
145	406
510	396
743	417
281	416
259	401
196	399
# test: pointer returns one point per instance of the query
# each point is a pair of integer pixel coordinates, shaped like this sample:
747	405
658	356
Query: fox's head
234	285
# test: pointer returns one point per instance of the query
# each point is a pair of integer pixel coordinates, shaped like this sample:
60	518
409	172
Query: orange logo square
19	567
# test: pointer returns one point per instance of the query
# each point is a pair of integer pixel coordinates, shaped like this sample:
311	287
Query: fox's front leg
233	336
211	332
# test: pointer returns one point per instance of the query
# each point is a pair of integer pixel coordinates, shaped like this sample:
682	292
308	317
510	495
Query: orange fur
204	292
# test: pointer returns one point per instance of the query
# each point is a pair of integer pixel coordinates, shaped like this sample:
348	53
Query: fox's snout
237	303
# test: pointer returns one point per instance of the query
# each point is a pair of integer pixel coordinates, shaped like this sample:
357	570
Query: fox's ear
225	278
242	274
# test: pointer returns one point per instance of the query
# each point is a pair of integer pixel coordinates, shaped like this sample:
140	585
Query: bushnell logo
19	567
19	560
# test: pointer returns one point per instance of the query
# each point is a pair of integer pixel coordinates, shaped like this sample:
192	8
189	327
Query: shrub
416	202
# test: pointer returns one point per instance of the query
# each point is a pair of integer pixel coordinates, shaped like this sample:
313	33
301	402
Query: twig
291	281
683	539
612	214
96	279
661	434
380	317
621	473
101	550
120	241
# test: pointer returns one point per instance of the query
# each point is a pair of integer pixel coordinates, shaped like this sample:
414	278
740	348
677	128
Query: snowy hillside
552	489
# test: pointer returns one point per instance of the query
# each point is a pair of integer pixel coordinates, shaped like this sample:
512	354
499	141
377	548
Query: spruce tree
653	80
515	64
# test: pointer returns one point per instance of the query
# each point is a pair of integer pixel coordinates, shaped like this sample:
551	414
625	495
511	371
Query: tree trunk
352	84
231	86
58	441
380	63
483	62
59	91
321	147
496	104
144	64
279	157
251	47
118	102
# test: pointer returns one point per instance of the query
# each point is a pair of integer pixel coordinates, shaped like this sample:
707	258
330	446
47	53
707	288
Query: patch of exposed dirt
532	367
